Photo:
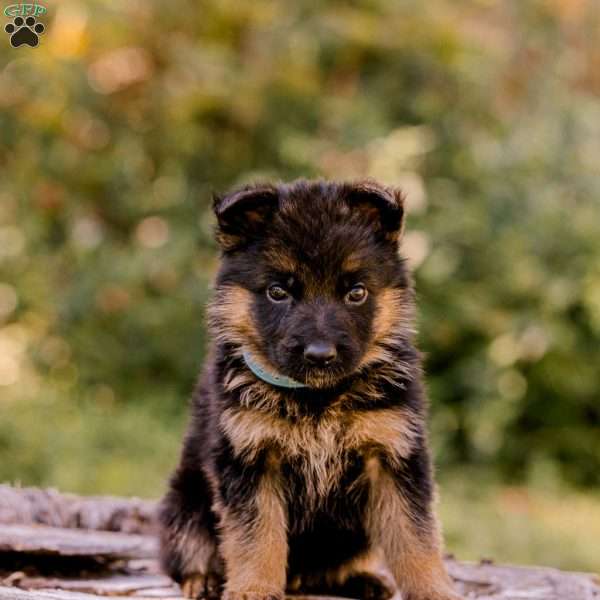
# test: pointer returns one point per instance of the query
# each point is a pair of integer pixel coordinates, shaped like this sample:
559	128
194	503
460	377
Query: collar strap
276	379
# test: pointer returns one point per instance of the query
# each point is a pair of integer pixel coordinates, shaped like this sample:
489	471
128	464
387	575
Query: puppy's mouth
291	364
318	377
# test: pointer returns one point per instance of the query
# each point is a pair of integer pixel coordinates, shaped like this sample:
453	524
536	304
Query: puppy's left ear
243	214
381	205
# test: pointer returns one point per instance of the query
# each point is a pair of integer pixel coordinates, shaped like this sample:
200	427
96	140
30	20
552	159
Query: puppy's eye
276	293
357	295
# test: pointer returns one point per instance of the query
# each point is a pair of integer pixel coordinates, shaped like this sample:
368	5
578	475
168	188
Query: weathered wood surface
494	582
7	593
12	593
475	581
41	539
44	536
102	513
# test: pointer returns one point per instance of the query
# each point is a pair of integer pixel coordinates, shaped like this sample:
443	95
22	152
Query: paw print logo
24	31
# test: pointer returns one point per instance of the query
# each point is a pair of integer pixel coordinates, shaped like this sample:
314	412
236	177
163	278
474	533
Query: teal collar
270	377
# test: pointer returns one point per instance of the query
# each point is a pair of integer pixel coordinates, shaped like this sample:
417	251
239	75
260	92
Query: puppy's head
311	280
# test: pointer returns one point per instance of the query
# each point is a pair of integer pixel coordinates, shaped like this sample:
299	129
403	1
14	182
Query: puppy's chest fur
320	456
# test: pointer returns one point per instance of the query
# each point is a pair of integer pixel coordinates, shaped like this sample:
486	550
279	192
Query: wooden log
40	539
474	581
50	507
11	593
111	585
96	528
487	581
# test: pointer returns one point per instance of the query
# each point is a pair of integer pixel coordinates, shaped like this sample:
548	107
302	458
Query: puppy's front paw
201	587
252	596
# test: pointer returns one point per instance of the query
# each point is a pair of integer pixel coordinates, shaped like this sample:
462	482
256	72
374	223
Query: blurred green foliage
115	130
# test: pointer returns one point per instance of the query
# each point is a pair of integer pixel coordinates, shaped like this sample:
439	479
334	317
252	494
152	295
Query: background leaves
117	128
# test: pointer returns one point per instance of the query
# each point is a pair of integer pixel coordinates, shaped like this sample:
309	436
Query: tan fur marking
195	585
318	443
392	429
352	262
388	313
229	315
256	555
393	316
413	553
234	380
227	241
230	320
278	259
250	431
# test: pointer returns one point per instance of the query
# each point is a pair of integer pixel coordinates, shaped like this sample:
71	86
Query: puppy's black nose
320	354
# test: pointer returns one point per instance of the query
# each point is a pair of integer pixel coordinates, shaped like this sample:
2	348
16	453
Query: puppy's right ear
243	214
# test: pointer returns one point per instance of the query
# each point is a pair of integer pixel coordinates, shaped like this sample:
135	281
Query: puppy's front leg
188	537
254	542
402	522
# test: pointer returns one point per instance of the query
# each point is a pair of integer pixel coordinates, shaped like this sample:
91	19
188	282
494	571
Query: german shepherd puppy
306	460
